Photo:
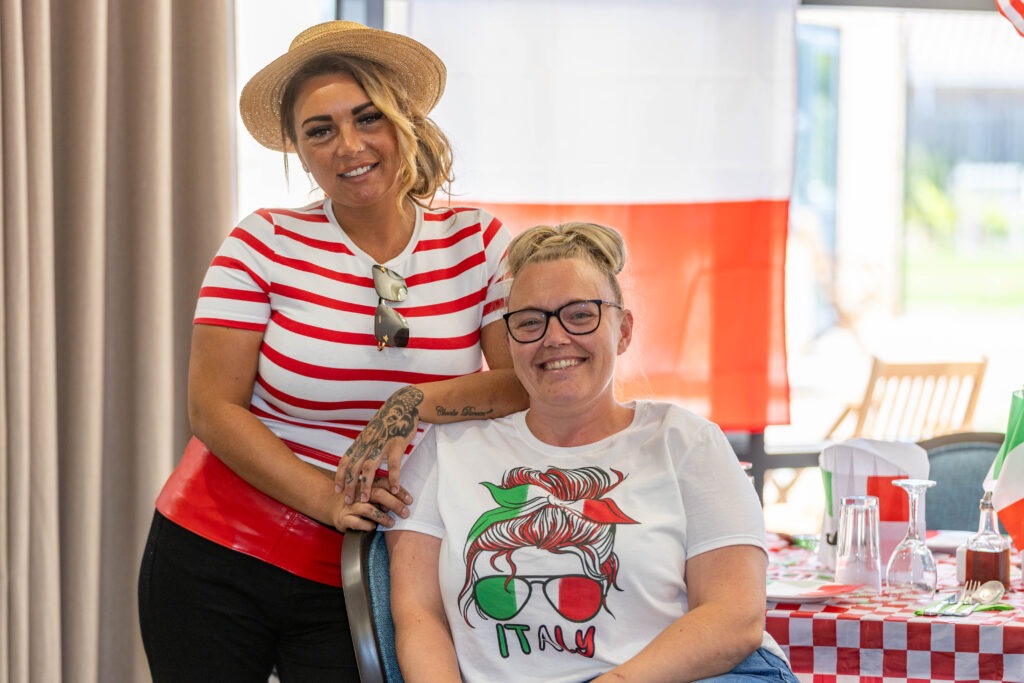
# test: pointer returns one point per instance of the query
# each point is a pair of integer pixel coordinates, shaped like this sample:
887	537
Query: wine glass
911	570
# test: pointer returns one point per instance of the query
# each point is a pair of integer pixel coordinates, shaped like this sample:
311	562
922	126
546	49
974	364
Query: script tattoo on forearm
396	418
466	411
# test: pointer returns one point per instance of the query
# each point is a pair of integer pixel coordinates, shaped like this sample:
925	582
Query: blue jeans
761	665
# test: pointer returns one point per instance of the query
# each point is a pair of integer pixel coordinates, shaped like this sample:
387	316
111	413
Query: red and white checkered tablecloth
876	639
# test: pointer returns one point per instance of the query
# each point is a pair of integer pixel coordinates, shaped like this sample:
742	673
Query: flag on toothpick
1014	11
1006	478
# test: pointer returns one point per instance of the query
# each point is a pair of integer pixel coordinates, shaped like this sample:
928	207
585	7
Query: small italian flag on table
1006	478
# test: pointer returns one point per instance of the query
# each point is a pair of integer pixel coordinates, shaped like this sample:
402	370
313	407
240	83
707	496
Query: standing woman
322	336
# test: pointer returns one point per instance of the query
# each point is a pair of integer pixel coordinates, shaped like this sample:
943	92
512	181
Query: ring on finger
361	479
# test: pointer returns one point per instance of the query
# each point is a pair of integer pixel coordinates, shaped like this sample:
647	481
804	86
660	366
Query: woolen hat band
421	70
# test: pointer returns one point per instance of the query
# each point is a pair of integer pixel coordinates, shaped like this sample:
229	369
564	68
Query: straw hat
422	71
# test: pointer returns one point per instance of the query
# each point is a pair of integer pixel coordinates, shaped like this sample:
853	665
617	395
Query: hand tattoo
397	417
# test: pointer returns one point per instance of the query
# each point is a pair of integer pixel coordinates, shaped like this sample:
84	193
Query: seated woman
581	539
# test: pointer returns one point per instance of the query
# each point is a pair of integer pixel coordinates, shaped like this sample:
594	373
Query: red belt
208	498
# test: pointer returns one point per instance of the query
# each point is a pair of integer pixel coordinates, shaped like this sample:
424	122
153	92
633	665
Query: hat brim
421	70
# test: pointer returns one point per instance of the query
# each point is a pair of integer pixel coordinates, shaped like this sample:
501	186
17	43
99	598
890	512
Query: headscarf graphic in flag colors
564	512
866	467
1014	11
1006	478
672	122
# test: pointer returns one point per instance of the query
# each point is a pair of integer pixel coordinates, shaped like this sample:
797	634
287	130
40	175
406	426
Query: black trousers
209	613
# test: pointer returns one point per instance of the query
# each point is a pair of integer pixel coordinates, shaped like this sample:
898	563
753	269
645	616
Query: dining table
857	635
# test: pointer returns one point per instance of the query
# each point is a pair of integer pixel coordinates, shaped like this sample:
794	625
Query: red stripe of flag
893	503
1012	517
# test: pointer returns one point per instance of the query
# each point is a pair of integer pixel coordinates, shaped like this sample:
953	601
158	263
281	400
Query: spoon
987	593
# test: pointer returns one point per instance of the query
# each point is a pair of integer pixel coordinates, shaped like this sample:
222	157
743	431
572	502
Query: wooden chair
914	401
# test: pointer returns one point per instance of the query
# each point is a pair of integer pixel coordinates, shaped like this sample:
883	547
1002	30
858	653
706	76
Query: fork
951	604
966	599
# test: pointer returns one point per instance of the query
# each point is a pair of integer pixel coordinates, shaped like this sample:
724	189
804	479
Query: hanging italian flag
865	467
1006	478
674	123
1014	11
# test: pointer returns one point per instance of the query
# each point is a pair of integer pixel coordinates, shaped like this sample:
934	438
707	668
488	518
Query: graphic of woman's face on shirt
546	552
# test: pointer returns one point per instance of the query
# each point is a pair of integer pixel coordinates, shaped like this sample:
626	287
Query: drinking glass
858	561
911	572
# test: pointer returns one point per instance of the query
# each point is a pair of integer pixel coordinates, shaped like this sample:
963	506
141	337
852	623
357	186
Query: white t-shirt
667	488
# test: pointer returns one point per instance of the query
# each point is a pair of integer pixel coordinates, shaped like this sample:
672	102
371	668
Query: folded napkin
867	467
994	607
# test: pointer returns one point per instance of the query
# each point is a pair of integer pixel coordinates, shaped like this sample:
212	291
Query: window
263	31
912	246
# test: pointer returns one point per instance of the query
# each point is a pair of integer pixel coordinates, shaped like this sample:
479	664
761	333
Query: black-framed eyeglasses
389	326
528	325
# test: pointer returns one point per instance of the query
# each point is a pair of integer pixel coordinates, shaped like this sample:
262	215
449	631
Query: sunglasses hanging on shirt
389	326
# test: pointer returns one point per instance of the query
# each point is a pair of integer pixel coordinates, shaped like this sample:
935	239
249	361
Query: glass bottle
988	551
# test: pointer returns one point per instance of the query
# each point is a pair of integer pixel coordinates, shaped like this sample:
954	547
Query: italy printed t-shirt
558	564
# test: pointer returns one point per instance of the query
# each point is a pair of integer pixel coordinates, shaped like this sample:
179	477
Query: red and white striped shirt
295	275
1014	11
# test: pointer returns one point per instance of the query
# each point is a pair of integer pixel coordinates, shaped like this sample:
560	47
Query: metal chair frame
359	585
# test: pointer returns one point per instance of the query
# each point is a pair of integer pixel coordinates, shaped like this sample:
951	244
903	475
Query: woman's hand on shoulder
387	435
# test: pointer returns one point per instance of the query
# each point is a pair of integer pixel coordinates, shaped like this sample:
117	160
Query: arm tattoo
471	412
